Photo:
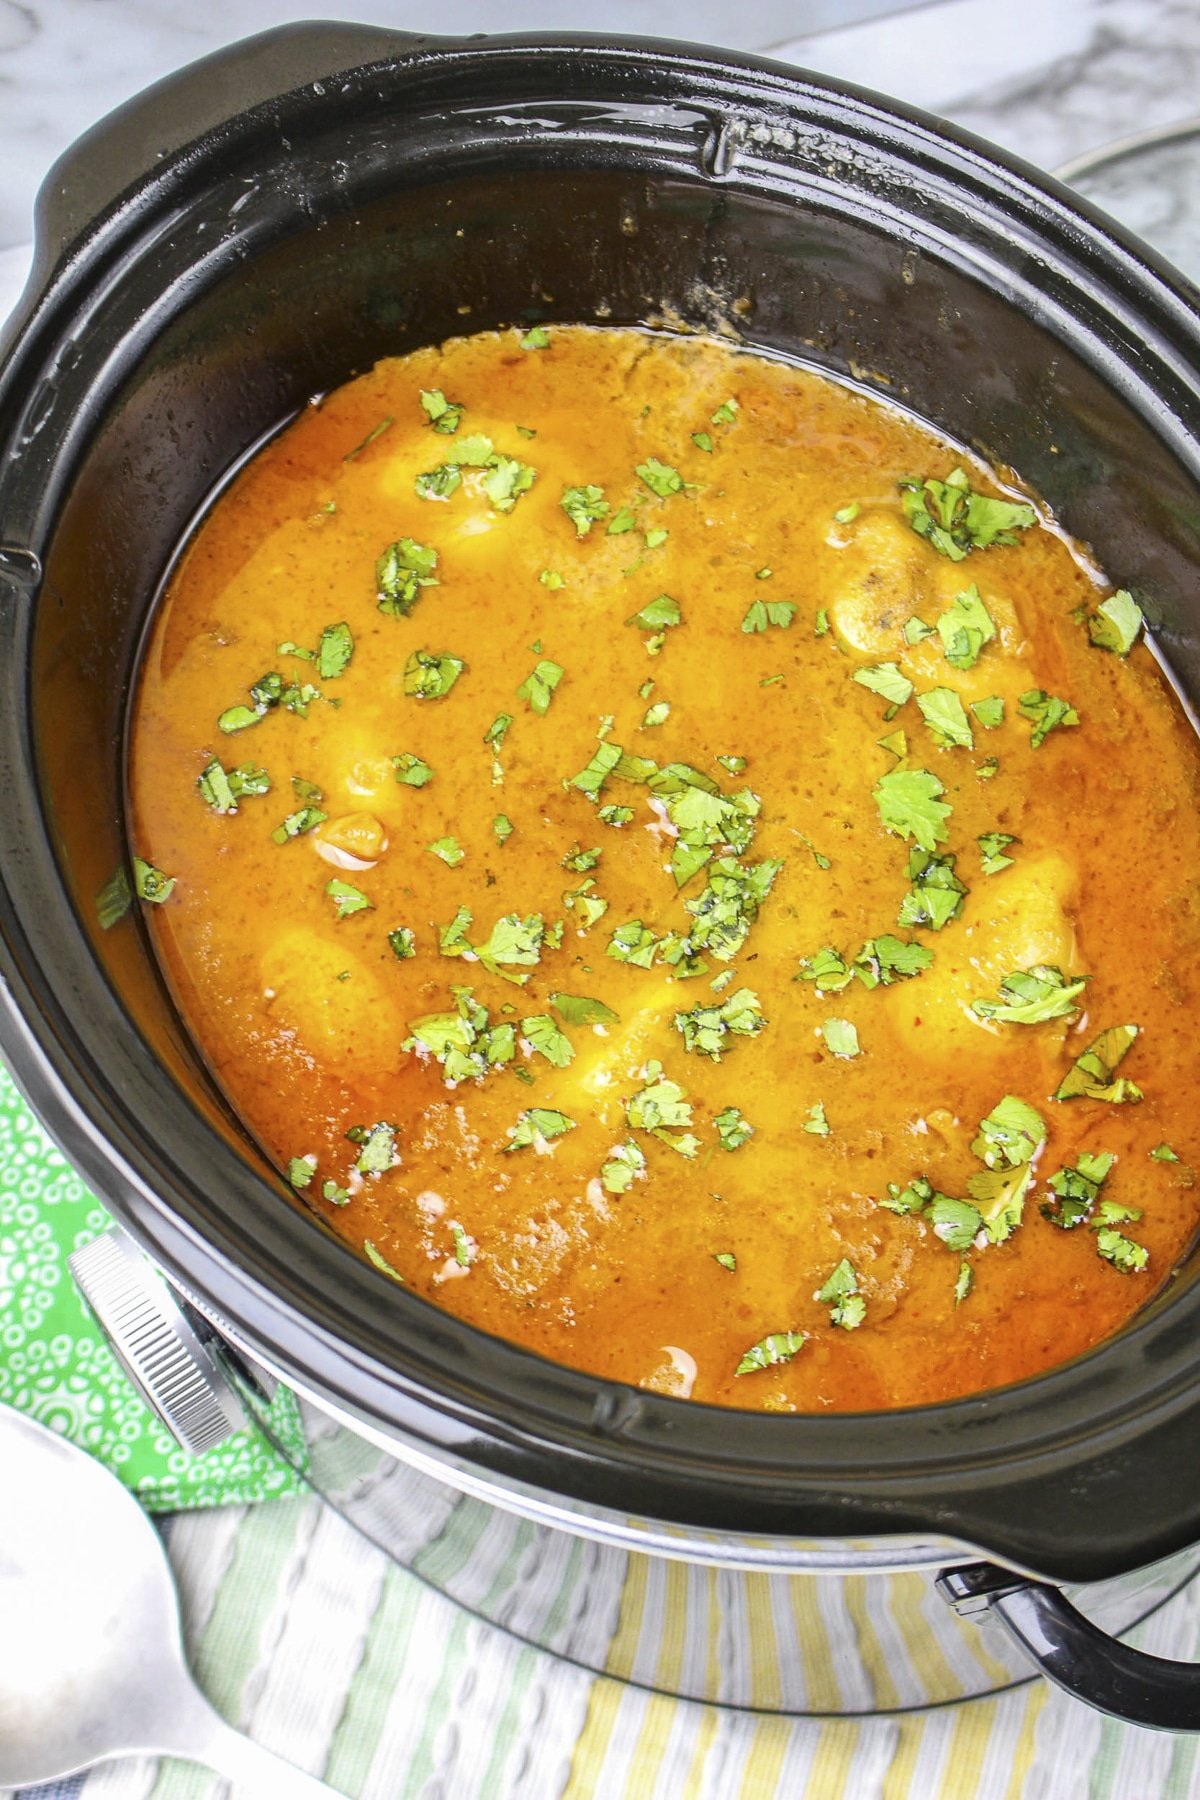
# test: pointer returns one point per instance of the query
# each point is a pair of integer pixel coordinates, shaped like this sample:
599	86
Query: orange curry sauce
591	1192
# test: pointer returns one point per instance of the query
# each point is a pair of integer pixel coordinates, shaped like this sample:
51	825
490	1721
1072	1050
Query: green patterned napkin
56	1365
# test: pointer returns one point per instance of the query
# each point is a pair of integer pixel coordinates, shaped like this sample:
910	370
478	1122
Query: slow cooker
264	226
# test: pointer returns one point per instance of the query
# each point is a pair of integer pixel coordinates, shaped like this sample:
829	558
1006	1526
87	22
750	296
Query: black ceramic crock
264	226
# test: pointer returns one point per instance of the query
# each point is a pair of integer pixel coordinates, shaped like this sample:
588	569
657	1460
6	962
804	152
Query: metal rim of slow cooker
978	1469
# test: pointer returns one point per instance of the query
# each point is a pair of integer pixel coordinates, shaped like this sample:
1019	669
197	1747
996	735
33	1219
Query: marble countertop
1049	81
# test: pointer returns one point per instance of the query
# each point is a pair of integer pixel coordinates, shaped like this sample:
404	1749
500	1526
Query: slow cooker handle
1075	1654
129	142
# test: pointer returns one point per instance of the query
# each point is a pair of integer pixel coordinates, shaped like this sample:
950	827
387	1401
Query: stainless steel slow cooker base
862	1632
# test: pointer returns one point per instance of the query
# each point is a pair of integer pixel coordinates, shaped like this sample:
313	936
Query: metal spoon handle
201	1735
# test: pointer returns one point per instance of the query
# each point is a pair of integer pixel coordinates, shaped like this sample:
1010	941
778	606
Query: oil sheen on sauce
583	958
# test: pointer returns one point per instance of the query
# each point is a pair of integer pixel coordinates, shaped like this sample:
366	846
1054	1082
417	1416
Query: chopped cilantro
909	804
513	942
538	687
222	789
497	730
955	520
114	899
464	1042
237	718
1077	1190
1000	1197
542	1035
626	1163
586	905
1011	1134
886	680
702	441
661	1107
768	612
444	415
916	630
580	861
660	477
776	1347
729	905
816	1123
616	815
657	615
885	959
381	1262
989	711
401	572
896	744
376	431
403	942
725	413
429	674
347	899
1031	996
658	714
992	845
536	338
550	578
336	1196
377	1148
964	1283
592	777
955	1222
410	770
821	628
150	884
579	1009
583	506
506	480
1116	622
846	515
735	765
502	828
840	1294
733	1128
827	970
989	767
439	483
622	521
462	1245
448	849
965	628
536	1127
633	943
301	1169
705	1028
1163	1153
1045	712
942	711
334	651
1122	1252
841	1038
297	823
727	1260
1091	1076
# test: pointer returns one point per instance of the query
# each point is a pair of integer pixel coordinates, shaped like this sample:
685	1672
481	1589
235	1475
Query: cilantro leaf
840	1294
841	1038
886	959
955	520
1163	1153
583	506
502	828
776	1347
114	899
909	804
300	1170
705	1028
660	477
401	572
536	338
498	730
381	1262
347	899
991	848
334	651
464	1042
1092	1076
298	823
1116	622
448	849
544	1036
440	483
1031	996
942	711
1077	1189
827	969
429	674
964	628
658	714
1045	712
536	1127
410	770
768	612
403	942
989	711
586	905
538	687
729	905
726	413
727	1260
592	777
444	415
150	884
1122	1252
1000	1197
816	1123
733	1128
616	815
936	895
1011	1134
512	942
376	431
377	1148
237	718
661	1107
626	1163
579	1009
657	615
955	1222
887	680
